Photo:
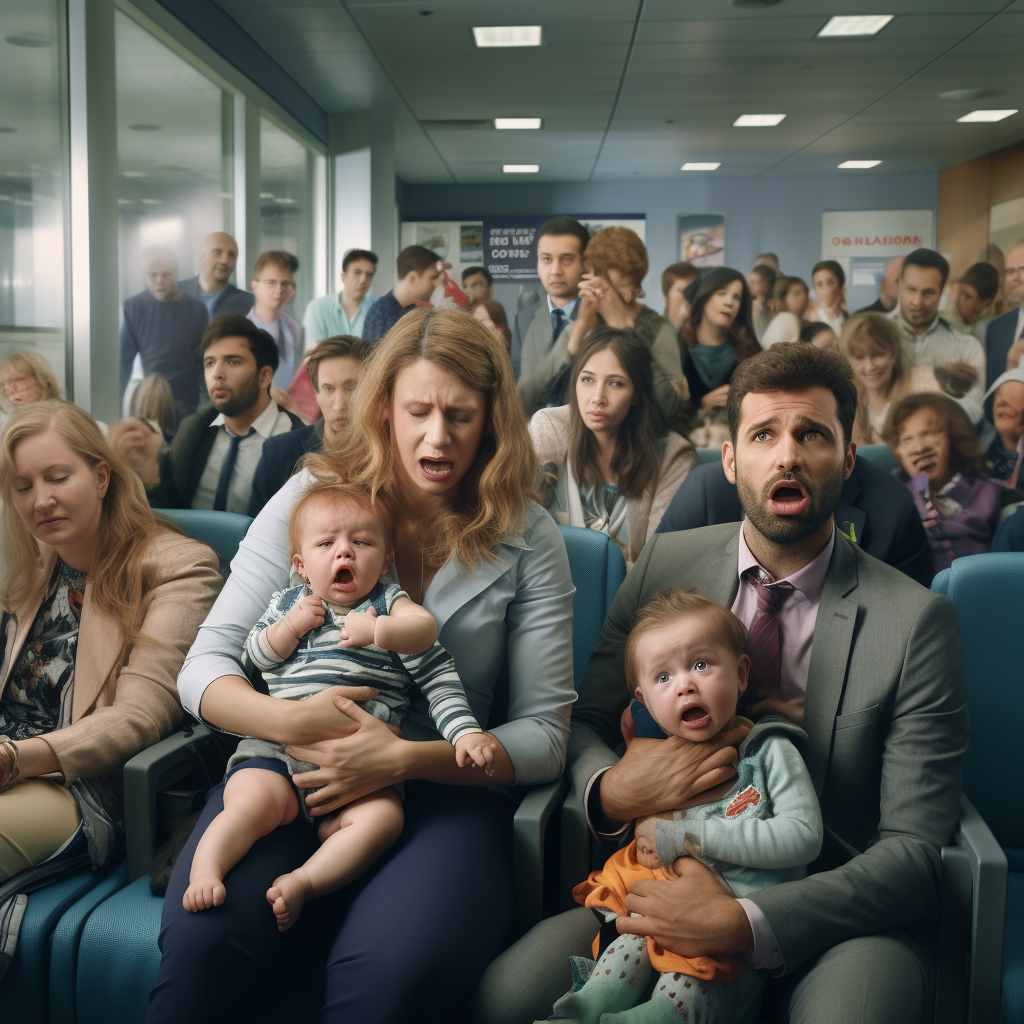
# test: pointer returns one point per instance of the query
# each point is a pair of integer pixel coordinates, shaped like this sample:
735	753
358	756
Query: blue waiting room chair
117	956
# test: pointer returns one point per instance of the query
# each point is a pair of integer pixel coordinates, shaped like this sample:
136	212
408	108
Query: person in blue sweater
687	667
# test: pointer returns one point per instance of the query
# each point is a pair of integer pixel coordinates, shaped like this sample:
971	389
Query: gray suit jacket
886	721
541	359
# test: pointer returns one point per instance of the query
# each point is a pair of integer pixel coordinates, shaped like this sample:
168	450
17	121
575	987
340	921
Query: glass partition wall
33	182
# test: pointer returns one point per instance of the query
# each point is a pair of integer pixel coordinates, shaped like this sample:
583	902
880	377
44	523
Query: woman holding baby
439	439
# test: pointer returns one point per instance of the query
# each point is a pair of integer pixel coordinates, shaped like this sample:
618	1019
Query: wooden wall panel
1007	175
961	224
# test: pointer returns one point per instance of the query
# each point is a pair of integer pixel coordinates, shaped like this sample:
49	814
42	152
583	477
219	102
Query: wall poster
702	239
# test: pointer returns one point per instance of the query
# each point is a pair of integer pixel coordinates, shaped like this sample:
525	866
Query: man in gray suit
869	662
540	353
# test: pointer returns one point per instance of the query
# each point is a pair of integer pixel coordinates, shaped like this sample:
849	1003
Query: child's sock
620	979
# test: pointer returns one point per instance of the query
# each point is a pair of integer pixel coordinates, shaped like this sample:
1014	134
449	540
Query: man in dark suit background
870	663
212	285
1004	339
540	352
875	511
333	367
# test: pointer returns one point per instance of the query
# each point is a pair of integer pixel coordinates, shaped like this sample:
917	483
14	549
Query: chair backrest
597	568
879	454
988	591
706	455
223	531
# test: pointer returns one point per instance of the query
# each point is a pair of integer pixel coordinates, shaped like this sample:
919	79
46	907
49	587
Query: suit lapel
453	587
99	648
717	576
25	615
830	656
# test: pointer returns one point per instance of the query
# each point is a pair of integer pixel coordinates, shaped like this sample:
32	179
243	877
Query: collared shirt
273	420
1020	324
289	337
569	309
940	345
326	317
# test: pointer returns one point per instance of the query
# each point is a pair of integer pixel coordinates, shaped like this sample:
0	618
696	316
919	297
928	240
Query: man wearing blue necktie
540	352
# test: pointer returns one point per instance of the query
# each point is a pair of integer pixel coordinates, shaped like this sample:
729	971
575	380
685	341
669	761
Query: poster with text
510	250
702	239
878	233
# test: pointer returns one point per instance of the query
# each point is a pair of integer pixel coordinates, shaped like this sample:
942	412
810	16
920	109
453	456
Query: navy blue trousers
408	941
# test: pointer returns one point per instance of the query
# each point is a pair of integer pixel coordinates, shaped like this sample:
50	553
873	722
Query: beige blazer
549	430
125	700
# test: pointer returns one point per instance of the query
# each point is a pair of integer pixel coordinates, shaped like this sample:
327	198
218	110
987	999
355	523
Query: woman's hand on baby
320	718
306	614
359	628
476	749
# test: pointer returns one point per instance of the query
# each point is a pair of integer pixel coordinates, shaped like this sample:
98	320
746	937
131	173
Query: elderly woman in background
27	377
610	293
675	279
98	605
607	460
941	460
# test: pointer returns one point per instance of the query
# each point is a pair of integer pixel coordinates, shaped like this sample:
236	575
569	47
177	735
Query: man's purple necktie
764	681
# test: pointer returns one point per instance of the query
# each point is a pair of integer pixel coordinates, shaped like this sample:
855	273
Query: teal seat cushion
1013	951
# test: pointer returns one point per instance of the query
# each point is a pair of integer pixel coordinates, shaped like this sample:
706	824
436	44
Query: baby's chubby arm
790	837
407	629
285	634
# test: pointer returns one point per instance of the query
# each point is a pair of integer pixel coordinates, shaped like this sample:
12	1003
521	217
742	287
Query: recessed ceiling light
286	201
757	120
520	168
517	122
700	167
986	115
134	174
152	202
143	127
854	165
509	35
855	25
266	195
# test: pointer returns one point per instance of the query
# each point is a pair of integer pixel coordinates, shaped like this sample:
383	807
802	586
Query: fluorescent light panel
508	35
854	165
699	167
512	123
855	25
757	120
985	115
520	168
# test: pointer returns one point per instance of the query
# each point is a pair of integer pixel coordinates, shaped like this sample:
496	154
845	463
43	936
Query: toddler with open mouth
345	624
686	666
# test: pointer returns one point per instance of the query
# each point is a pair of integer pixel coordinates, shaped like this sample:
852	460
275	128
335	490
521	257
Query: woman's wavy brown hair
117	580
491	503
635	462
965	452
864	333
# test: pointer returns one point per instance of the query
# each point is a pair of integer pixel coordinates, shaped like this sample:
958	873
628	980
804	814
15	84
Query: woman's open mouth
924	464
695	717
437	469
788	498
344	580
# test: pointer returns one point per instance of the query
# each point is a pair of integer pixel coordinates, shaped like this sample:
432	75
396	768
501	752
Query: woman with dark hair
941	459
607	461
491	314
717	336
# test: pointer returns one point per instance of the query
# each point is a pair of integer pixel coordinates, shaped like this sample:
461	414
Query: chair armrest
972	904
576	850
529	828
144	776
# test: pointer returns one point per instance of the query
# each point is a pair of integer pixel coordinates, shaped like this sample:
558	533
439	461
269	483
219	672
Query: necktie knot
769	593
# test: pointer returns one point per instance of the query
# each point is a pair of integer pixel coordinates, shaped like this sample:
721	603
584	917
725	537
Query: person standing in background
829	283
537	331
970	312
790	295
273	285
761	281
1004	339
163	327
420	271
478	285
344	312
212	285
768	259
888	288
675	279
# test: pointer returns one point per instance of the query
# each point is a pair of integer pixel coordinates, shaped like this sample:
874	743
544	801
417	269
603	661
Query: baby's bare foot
204	891
287	895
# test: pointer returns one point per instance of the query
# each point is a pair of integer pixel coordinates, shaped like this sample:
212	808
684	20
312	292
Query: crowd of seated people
464	439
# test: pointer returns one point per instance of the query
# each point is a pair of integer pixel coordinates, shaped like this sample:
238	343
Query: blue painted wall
781	215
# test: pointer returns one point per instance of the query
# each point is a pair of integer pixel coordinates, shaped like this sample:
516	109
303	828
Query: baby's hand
476	748
646	844
307	613
359	628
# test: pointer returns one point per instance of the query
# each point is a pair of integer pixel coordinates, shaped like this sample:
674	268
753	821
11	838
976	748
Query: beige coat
549	429
126	700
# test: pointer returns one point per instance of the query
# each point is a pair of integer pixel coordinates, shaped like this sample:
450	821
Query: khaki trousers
37	817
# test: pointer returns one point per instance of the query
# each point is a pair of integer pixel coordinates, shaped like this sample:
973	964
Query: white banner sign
882	233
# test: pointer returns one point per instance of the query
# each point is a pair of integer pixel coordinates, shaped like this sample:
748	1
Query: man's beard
242	399
779	529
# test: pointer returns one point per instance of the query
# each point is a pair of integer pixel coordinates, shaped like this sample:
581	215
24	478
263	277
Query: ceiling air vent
458	124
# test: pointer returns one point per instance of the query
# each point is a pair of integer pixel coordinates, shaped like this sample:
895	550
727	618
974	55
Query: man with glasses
163	327
1004	339
273	285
